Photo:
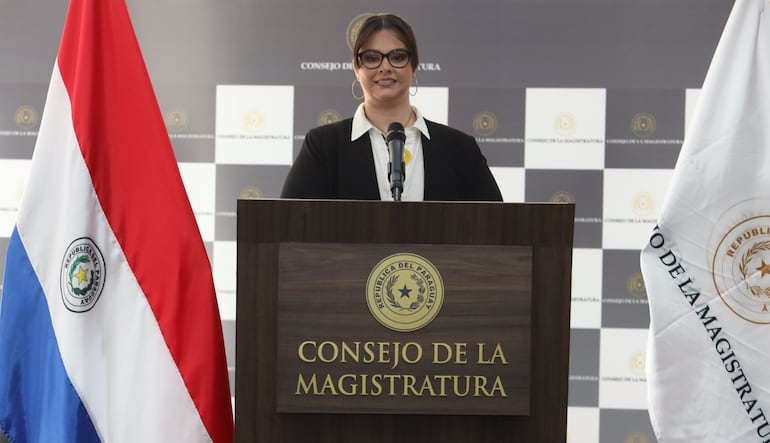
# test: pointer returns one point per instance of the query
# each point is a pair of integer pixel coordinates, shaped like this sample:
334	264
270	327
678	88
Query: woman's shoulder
328	138
339	127
441	131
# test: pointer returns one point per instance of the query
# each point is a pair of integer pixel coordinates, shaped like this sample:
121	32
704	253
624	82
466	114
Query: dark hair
393	23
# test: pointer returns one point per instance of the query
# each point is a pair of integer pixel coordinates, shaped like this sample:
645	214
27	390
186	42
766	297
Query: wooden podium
369	321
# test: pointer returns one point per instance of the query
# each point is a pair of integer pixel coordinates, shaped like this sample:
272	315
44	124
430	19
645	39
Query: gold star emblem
81	275
764	269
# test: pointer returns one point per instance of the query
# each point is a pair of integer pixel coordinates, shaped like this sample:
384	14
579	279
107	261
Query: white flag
707	263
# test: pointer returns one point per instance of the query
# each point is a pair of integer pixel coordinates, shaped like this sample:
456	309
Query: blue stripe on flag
37	400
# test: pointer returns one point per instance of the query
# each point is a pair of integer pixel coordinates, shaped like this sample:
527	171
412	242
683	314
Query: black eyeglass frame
383	56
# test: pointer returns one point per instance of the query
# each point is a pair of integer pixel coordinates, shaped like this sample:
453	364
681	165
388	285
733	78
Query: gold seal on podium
404	292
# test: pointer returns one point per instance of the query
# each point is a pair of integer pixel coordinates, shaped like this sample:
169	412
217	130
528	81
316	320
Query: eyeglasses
372	59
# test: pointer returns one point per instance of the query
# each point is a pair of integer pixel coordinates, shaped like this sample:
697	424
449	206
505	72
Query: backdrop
571	100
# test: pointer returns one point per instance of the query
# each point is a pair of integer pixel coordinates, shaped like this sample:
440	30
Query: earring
353	89
416	87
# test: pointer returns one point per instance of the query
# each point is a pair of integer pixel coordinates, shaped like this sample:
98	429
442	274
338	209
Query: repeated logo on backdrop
562	197
608	150
177	120
328	116
636	285
485	123
26	117
564	124
643	125
351	32
643	204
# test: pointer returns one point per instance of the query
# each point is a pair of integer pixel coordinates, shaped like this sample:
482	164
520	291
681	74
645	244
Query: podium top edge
431	202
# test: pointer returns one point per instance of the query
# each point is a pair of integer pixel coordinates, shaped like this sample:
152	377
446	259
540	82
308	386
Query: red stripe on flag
125	144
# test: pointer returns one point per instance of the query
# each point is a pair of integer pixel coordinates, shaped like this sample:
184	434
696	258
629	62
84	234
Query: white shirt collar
362	125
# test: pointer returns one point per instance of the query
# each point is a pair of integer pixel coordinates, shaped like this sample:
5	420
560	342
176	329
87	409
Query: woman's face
385	83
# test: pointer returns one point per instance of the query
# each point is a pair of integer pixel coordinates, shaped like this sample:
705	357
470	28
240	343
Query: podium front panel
403	329
309	272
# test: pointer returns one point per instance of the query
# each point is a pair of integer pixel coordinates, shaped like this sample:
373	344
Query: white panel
511	182
433	103
200	183
622	380
225	258
564	128
582	425
586	308
254	124
13	182
632	202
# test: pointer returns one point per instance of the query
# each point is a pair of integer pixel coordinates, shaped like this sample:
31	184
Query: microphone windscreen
395	132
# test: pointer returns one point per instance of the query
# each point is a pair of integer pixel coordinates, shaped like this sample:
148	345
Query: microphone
396	172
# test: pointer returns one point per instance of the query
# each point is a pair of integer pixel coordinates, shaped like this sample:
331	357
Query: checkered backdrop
571	100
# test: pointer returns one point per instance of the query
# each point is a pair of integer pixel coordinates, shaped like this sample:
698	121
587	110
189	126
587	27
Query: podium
370	321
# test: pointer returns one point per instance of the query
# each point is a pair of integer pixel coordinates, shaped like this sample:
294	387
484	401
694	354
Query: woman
349	159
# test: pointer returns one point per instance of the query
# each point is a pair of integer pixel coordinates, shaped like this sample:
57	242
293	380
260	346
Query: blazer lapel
360	167
434	166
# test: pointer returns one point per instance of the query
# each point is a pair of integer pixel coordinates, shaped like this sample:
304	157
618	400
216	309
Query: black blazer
330	166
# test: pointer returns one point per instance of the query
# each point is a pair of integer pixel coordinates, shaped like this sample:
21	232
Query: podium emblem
404	292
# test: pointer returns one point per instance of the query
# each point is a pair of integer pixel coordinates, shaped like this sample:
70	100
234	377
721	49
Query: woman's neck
381	117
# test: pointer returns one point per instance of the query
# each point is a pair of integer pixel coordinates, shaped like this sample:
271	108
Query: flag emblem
82	275
741	266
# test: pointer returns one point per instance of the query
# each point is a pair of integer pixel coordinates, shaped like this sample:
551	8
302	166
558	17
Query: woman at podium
358	158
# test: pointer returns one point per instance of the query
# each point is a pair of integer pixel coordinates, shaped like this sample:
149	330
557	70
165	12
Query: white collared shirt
414	182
